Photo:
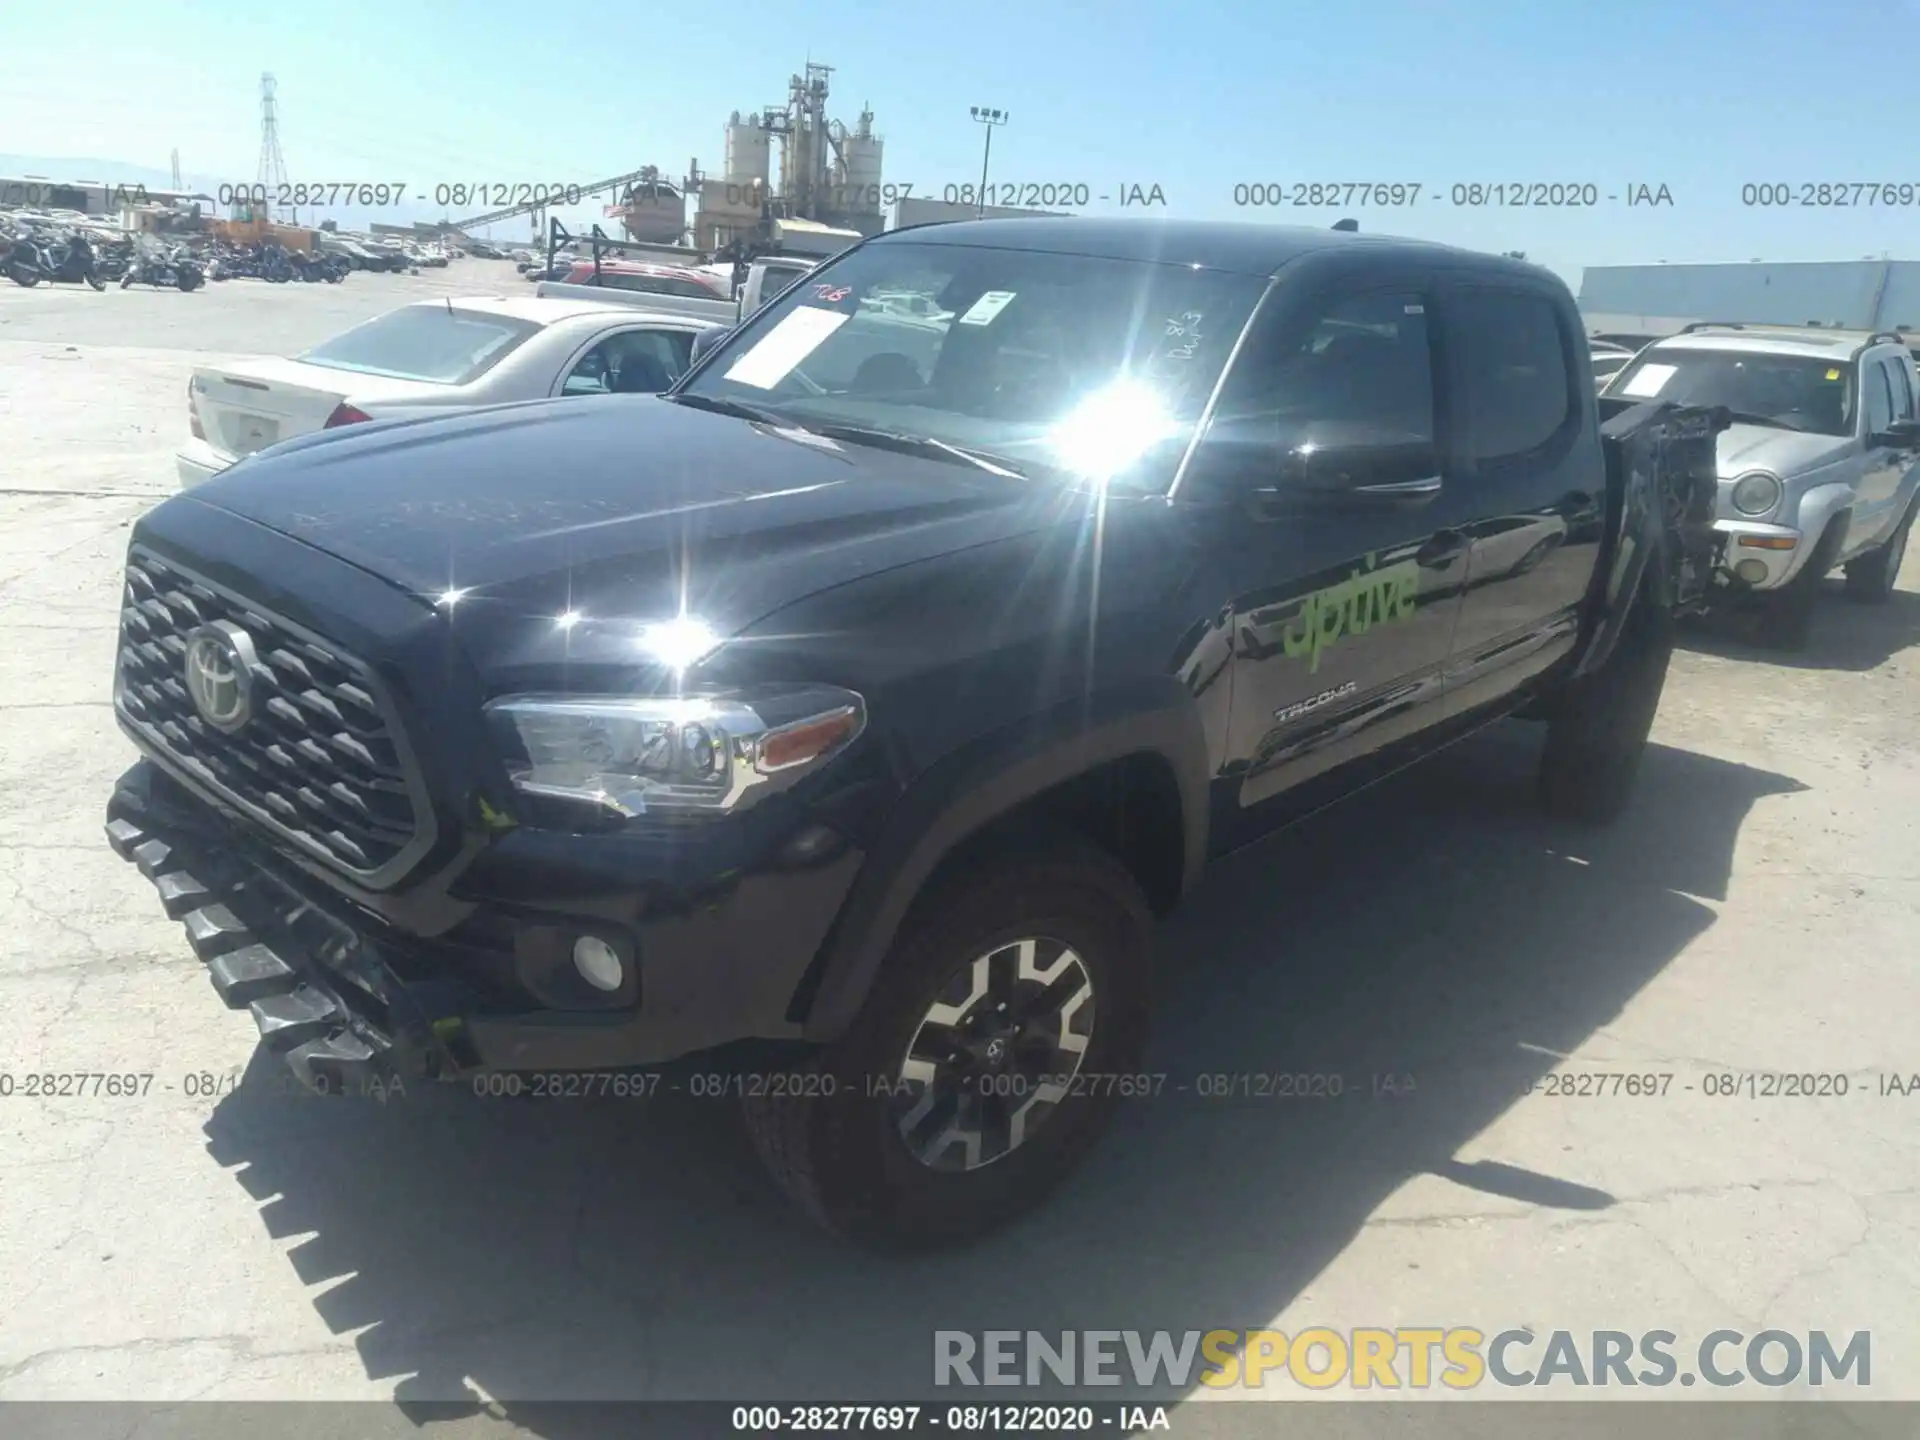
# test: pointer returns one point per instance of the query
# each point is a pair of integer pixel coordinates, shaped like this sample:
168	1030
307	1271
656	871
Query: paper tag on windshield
1650	380
775	354
982	311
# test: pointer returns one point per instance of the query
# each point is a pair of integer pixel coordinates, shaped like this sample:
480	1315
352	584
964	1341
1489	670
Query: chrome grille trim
324	764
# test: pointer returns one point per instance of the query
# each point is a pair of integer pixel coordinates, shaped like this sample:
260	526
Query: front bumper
1758	556
349	999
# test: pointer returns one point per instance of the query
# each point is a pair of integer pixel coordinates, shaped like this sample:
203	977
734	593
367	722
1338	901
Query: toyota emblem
219	665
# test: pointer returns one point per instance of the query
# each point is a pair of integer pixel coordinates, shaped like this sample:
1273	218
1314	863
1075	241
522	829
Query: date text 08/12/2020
851	199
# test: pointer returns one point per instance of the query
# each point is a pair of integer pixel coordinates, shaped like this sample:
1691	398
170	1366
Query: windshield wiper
924	445
735	409
1750	417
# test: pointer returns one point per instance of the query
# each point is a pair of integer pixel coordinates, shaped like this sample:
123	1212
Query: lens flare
1111	428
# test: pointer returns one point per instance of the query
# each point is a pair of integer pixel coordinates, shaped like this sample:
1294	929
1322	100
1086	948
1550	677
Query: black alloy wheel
994	1054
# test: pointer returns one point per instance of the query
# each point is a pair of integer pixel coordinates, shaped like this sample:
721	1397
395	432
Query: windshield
1795	392
424	342
1048	363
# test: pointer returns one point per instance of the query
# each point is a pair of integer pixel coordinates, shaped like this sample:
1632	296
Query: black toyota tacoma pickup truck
851	710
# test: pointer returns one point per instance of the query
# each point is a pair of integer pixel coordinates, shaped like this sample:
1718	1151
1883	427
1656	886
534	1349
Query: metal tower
176	169
273	166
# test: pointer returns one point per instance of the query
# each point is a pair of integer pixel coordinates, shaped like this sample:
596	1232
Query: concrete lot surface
1753	914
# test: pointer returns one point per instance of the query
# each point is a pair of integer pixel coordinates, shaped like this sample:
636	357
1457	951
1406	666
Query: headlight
1756	494
672	755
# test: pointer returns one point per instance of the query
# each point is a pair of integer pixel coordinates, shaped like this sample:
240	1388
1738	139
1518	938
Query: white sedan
432	356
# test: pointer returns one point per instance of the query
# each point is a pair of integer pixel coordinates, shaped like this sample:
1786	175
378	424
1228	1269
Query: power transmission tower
176	170
273	166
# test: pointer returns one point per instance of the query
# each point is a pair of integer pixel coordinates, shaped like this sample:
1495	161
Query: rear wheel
23	274
1871	577
1599	729
983	1065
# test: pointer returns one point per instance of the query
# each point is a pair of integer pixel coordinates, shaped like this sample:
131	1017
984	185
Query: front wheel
1871	577
1006	1025
126	280
1599	728
23	274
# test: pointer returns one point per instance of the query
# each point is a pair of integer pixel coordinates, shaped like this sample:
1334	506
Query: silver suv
1821	465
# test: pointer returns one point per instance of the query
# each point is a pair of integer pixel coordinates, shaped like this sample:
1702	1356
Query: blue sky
1197	96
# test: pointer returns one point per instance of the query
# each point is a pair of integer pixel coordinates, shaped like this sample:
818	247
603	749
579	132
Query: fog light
1751	571
598	963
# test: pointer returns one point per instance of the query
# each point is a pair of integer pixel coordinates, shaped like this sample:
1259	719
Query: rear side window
425	342
1511	356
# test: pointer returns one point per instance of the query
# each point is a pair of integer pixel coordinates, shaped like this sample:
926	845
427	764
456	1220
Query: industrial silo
749	153
860	171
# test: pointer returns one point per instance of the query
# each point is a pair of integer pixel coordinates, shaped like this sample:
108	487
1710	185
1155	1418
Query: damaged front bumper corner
322	995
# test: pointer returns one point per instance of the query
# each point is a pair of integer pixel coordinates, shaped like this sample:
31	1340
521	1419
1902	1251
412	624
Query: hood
1785	453
616	506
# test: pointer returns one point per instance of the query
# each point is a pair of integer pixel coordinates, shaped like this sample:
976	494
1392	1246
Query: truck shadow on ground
1846	635
1434	926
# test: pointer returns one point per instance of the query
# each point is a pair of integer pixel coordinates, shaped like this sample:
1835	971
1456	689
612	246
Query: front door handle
1441	549
1428	486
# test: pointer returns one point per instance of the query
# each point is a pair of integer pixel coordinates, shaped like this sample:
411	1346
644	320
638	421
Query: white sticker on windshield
982	311
1649	381
775	354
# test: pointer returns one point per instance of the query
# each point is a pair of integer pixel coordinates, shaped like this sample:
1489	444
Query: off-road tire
1599	727
1871	577
834	1149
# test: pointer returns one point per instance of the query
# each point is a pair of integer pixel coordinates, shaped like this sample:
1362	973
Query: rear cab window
435	343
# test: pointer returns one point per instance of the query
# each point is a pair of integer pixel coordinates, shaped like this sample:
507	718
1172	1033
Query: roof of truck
1214	244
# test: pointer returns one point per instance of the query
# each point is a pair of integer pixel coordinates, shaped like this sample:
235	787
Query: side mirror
1900	435
706	340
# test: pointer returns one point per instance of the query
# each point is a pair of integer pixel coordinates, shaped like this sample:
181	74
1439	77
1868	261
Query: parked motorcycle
316	268
67	259
274	266
19	257
165	267
114	259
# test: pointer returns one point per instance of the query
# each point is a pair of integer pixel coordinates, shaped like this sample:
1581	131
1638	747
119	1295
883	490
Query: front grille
319	762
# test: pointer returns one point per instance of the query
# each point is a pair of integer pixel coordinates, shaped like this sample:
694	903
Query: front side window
1363	360
1901	374
1879	400
1792	392
1068	365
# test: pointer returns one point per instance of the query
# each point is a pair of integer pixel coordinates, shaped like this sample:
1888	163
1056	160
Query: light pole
988	118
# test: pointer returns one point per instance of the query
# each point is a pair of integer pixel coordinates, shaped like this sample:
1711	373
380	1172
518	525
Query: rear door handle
1427	486
1441	550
